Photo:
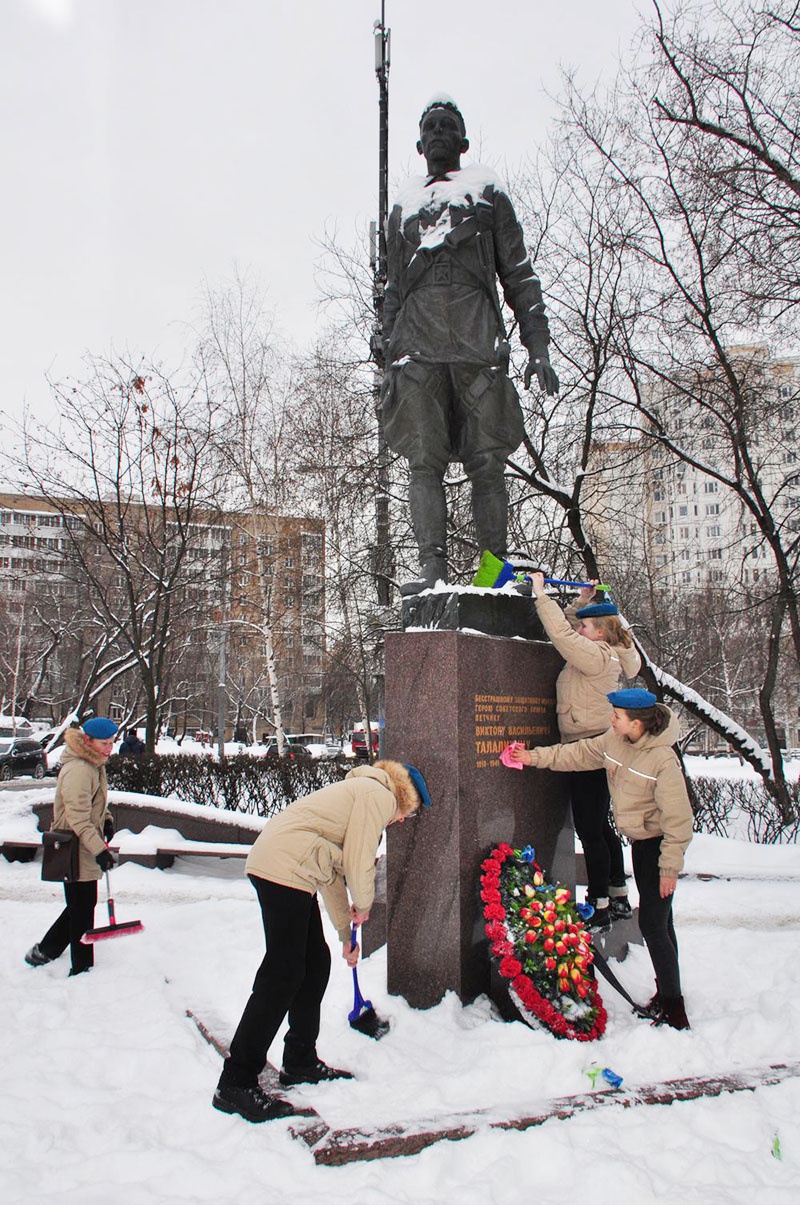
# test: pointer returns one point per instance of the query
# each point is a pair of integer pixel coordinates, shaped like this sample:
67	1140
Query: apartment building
251	583
699	532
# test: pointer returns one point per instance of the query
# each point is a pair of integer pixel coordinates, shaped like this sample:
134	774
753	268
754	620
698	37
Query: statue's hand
545	375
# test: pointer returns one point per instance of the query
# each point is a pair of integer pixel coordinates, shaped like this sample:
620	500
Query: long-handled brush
114	928
363	1017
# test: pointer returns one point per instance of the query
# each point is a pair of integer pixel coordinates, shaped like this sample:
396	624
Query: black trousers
655	918
602	848
291	982
77	917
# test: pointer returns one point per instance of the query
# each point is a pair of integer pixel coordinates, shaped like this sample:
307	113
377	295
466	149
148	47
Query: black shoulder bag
60	856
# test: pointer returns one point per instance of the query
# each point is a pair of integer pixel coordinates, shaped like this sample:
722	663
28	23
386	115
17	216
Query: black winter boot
601	921
312	1073
674	1012
35	957
252	1104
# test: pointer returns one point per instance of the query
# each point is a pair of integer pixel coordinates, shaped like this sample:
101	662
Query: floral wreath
536	934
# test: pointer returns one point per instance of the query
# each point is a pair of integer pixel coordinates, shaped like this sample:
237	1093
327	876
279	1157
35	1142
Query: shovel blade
369	1023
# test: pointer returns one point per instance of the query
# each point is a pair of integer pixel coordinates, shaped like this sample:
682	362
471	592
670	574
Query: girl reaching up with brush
651	808
598	652
326	842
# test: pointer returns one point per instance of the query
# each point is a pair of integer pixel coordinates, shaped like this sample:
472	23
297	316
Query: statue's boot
429	520
490	513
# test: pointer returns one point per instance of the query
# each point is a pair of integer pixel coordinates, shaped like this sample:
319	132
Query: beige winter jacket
593	669
81	800
328	841
648	793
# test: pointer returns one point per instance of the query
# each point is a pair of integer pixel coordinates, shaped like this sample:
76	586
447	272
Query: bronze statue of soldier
446	393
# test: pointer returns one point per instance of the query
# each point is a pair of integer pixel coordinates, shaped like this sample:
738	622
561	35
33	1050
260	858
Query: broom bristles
123	929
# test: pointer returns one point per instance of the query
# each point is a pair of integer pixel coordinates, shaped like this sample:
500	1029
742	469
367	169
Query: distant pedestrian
131	745
81	804
325	842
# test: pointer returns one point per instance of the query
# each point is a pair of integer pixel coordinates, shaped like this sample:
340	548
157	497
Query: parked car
21	756
314	742
292	751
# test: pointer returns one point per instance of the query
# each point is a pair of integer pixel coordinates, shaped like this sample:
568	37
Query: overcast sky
150	146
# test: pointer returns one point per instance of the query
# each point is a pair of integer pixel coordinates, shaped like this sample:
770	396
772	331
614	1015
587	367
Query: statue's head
442	135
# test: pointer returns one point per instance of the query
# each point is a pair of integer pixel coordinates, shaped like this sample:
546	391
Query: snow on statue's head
440	100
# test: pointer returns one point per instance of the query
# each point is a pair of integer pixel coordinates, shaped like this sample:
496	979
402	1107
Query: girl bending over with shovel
651	808
326	842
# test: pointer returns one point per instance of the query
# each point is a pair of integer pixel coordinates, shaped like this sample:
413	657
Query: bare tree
713	212
249	371
129	470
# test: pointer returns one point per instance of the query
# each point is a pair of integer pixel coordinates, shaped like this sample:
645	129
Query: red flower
510	968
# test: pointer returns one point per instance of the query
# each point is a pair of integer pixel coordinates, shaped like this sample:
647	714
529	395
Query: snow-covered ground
106	1085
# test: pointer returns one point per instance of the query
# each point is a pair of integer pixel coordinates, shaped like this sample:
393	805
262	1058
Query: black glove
105	859
108	829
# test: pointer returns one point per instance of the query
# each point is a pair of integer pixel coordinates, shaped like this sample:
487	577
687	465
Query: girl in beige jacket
81	804
651	808
598	652
326	842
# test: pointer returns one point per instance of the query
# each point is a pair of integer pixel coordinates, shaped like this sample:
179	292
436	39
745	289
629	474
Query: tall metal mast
383	561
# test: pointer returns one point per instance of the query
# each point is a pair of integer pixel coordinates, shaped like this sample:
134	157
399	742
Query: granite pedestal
453	700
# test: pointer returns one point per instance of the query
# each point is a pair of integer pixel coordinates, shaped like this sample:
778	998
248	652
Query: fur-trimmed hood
400	784
74	740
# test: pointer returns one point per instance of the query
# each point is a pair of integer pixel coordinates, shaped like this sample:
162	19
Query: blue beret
594	609
420	783
632	699
100	729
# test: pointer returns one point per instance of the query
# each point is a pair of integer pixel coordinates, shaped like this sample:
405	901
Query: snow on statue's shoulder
461	187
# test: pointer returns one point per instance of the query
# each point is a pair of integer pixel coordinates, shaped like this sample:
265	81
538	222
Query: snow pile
107	1086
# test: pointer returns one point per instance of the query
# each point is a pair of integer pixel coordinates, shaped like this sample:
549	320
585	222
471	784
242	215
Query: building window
712	508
